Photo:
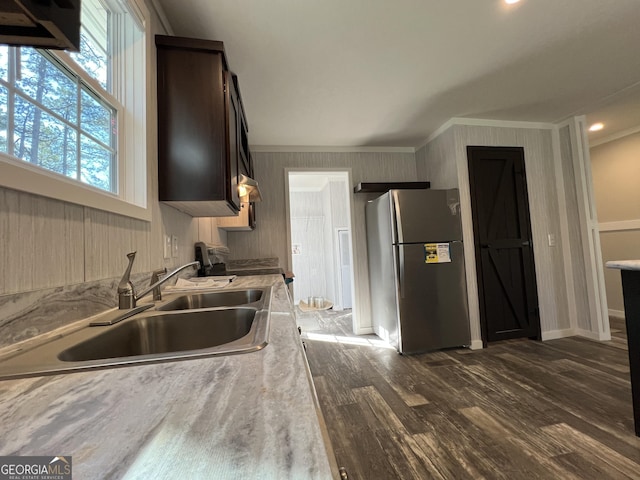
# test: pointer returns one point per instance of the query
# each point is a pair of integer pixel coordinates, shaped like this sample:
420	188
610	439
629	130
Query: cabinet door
191	127
233	118
244	144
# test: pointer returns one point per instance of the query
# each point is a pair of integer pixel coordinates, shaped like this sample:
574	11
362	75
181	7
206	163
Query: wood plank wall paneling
108	239
575	238
58	229
543	203
444	162
269	239
41	240
47	243
435	161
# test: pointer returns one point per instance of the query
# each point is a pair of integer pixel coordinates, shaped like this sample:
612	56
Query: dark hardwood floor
520	409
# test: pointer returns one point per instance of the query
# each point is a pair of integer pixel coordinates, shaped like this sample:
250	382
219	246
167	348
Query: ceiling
380	73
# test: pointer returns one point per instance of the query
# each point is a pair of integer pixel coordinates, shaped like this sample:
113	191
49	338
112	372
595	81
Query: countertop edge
623	264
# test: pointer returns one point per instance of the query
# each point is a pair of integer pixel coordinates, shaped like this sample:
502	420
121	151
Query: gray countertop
624	264
249	416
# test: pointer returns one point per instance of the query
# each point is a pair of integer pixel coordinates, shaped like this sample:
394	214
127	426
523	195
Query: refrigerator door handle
396	219
400	270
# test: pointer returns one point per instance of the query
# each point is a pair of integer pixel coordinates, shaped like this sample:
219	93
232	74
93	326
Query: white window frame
130	86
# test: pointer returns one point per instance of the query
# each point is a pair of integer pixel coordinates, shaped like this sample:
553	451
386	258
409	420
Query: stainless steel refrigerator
416	269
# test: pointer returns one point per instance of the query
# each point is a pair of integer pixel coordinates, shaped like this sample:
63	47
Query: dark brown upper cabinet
202	128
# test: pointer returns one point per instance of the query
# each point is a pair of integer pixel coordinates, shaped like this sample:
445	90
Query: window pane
4	61
4	119
97	119
41	80
44	140
94	41
59	119
96	164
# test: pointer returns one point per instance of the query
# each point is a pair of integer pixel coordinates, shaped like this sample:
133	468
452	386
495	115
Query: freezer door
432	300
426	215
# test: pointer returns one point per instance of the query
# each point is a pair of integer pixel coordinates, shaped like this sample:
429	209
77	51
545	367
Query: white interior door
308	257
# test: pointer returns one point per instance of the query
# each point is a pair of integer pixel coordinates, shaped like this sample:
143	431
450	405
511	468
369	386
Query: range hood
248	189
41	23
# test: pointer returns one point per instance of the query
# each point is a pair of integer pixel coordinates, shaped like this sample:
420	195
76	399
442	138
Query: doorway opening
320	238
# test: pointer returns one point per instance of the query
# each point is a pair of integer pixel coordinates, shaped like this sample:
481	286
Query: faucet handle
155	278
126	291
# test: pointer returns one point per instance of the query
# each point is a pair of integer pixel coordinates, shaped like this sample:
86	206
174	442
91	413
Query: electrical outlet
174	242
167	246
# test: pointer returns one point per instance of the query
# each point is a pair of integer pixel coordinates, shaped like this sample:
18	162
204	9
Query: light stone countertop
624	264
246	416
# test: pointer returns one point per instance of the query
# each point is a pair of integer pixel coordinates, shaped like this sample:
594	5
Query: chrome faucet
127	297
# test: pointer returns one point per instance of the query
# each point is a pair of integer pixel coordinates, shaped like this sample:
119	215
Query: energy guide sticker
437	253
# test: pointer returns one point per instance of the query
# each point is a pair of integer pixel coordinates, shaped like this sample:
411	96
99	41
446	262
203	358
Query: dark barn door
504	253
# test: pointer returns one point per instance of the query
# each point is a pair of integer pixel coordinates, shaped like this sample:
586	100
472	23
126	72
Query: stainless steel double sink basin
183	326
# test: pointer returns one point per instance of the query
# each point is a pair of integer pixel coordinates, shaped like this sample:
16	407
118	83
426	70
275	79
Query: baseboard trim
553	334
616	313
365	331
601	337
476	345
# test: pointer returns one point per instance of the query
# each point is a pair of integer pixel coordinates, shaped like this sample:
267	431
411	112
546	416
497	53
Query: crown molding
482	122
328	149
164	21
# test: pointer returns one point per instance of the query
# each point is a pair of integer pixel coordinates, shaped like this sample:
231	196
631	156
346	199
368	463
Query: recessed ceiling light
596	127
509	2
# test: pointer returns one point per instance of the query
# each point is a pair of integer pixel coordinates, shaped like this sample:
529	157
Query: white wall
616	171
578	278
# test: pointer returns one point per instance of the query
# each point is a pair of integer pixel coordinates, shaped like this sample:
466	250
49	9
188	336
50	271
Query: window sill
17	175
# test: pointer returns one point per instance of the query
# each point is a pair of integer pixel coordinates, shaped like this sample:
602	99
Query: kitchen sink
163	334
227	298
188	329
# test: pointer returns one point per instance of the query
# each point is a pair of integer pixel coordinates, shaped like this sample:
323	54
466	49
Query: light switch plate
167	246
552	240
174	242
